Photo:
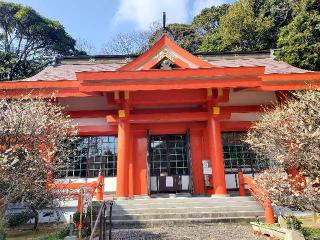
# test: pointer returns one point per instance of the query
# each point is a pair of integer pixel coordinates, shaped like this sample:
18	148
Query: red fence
260	194
96	187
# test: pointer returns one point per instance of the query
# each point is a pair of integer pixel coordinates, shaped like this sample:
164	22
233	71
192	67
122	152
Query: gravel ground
194	232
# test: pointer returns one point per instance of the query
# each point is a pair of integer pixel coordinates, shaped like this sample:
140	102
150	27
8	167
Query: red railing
96	187
260	194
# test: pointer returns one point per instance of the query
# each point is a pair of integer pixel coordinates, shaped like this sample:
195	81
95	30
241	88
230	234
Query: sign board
87	201
207	169
169	181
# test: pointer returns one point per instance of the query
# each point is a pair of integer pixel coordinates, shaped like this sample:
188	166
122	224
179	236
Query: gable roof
165	48
67	67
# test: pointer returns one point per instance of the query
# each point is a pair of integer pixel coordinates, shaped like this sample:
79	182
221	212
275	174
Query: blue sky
97	21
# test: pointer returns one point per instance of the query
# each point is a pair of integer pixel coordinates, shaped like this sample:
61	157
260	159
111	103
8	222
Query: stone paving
189	232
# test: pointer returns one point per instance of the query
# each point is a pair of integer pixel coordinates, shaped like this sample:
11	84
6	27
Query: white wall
89	121
249	97
110	183
85	103
232	179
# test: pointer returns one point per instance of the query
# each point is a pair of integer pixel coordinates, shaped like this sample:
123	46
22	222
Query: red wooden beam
162	117
292	81
236	126
90	113
169	97
45	93
166	117
170	84
175	74
168	128
41	84
242	109
224	110
97	130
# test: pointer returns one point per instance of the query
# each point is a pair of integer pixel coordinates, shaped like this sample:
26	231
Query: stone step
149	212
193	215
185	209
149	223
185	200
183	206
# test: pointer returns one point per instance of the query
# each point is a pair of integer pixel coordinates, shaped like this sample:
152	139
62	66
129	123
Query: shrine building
166	121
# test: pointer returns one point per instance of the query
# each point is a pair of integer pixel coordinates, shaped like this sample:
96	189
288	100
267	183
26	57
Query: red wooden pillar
196	151
216	155
123	158
124	155
130	167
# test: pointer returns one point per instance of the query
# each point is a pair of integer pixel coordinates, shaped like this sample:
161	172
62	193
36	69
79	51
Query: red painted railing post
259	193
269	214
99	191
242	191
79	206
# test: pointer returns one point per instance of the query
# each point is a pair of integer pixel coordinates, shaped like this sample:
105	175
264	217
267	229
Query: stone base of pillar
220	195
122	198
141	196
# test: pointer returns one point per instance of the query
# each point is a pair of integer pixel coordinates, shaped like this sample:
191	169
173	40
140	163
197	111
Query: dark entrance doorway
169	163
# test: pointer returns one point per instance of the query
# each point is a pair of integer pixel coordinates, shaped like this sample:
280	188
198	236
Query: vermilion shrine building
167	120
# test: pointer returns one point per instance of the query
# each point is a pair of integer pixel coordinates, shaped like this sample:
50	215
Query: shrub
60	235
17	219
2	230
76	217
311	233
64	232
294	223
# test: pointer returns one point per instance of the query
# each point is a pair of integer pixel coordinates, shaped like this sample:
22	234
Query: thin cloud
145	12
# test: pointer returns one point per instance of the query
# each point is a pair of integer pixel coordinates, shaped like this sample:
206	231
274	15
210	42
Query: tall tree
280	11
208	20
213	42
207	24
29	41
299	40
243	28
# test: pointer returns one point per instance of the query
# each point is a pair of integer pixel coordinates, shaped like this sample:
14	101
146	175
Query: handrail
102	221
257	192
97	222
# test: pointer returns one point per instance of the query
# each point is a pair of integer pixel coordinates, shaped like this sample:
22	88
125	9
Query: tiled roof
66	69
272	66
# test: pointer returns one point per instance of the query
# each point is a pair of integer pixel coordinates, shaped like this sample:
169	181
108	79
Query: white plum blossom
289	136
35	138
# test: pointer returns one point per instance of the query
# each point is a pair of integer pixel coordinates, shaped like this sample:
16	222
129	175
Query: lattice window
92	154
169	155
237	155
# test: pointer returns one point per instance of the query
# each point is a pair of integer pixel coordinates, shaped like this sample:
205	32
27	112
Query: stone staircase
140	213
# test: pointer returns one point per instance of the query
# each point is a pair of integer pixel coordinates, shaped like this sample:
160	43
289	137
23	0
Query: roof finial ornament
164	18
164	30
